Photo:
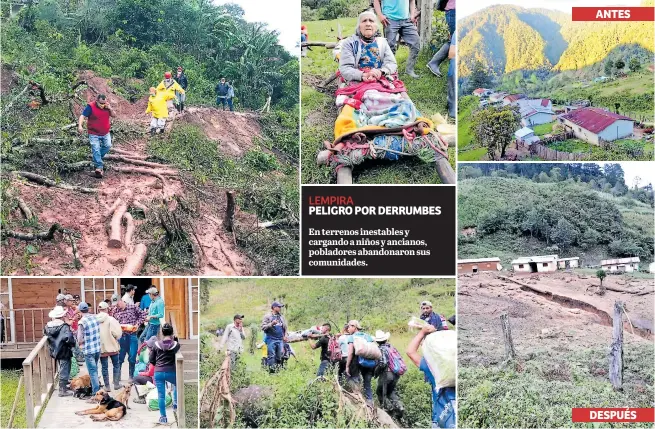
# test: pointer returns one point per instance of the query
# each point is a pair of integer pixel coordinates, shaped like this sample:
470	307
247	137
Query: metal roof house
592	124
535	264
620	265
536	111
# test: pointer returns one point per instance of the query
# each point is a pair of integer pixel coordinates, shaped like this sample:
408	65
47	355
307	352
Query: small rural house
526	136
627	265
564	263
535	111
477	265
592	124
497	97
513	99
535	264
482	92
26	302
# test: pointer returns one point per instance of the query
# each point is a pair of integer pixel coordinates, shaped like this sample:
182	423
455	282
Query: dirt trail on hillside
540	324
85	213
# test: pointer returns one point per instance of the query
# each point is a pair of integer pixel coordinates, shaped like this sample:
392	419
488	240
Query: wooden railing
179	384
39	370
24	325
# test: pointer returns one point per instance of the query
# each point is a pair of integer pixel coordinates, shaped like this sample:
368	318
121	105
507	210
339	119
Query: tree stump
228	222
510	353
616	349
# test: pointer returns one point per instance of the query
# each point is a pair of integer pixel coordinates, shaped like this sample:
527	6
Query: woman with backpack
389	369
162	356
358	365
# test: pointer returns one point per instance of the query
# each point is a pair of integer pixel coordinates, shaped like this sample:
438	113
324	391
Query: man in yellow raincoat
158	108
170	85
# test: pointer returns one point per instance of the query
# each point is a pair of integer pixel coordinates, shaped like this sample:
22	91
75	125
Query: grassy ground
299	401
542	129
574	146
533	395
319	113
476	154
8	386
191	404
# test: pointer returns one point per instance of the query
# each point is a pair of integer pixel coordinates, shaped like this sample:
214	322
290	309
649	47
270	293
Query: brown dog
108	409
123	395
81	386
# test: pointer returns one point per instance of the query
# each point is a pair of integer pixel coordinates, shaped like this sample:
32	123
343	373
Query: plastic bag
152	399
440	353
416	322
368	350
75	368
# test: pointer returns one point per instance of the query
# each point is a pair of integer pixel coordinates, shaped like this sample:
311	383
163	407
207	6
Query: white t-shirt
127	298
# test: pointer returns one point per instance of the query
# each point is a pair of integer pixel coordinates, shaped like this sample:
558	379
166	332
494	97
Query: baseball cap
115	298
68	297
153	290
277	304
130	288
83	307
60	297
167	75
238	316
103	305
428	303
355	323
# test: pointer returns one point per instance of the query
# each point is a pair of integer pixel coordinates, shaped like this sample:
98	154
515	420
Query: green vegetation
8	386
298	400
596	219
319	112
494	127
541	391
543	129
478	154
191	404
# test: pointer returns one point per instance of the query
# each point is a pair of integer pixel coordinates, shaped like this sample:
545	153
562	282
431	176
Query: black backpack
441	5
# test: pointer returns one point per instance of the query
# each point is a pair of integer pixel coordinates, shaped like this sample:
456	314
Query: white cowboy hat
381	336
57	312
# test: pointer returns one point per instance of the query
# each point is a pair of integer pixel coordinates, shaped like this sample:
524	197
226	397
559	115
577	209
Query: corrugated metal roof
545	102
514	97
534	106
593	119
523	132
470	261
619	261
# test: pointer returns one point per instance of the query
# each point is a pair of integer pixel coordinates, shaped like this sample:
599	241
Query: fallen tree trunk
139	205
28	236
128	154
138	170
116	236
22	205
134	262
42	180
11	103
41	90
125	159
129	230
327	45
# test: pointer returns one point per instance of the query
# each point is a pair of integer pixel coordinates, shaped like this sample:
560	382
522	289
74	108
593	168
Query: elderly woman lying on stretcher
377	118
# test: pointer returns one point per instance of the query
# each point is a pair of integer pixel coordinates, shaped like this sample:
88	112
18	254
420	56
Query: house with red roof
592	124
513	99
482	92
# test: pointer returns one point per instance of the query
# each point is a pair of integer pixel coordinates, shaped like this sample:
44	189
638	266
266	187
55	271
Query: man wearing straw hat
61	342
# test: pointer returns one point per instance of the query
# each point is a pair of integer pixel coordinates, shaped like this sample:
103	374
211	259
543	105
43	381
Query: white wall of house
537	119
542	267
617	130
628	268
582	133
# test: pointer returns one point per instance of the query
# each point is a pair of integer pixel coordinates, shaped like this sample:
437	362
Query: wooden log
13	407
45	235
113	207
616	349
345	176
115	235
228	222
510	353
42	180
151	172
125	159
22	205
139	205
329	80
445	171
326	45
129	230
134	263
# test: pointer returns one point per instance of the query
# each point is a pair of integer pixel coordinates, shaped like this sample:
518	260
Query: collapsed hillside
179	195
509	217
561	348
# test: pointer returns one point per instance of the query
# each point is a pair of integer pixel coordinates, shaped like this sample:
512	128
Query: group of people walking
338	353
109	336
168	95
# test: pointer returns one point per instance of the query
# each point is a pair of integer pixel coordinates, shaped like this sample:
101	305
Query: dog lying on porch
81	386
108	408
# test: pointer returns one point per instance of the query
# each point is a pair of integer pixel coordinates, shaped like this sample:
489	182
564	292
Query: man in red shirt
98	124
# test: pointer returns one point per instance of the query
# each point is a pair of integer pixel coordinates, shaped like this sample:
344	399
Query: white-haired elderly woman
365	57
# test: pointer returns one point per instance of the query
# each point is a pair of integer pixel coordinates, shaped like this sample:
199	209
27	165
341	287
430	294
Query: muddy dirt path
85	214
539	323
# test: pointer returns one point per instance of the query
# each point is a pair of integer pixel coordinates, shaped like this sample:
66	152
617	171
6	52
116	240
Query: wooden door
193	296
175	300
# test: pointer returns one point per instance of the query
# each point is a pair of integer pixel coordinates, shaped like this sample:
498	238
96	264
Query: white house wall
537	119
617	130
581	133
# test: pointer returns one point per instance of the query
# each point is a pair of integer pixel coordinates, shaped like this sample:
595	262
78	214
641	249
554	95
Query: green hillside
378	304
510	38
514	216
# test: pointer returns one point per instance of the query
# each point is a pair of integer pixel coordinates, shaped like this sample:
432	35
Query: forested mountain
581	209
508	38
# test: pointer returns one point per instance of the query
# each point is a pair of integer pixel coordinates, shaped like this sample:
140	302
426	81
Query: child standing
158	108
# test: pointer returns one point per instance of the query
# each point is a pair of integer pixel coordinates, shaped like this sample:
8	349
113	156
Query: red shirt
98	119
